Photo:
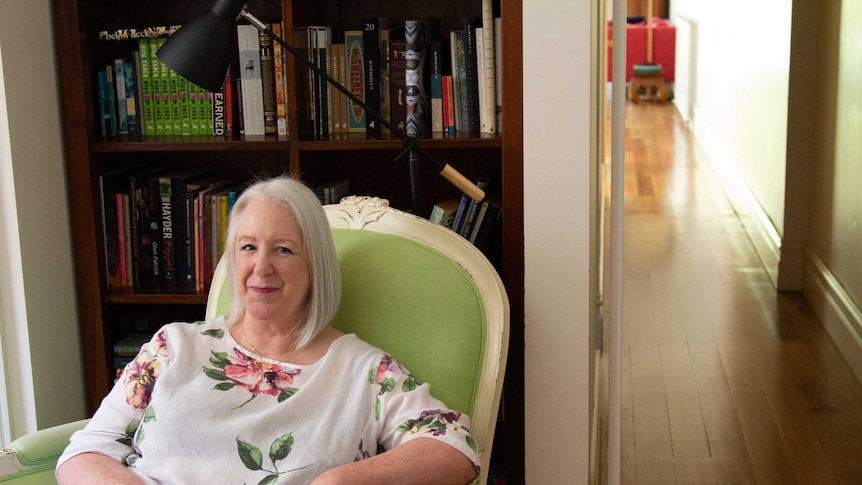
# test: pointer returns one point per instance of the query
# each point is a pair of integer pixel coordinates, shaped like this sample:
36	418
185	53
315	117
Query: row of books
478	222
168	225
164	225
140	95
417	81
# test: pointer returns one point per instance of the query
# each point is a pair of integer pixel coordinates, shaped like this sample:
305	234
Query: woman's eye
284	250
246	247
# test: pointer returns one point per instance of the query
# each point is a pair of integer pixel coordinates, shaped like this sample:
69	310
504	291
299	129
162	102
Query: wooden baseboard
841	317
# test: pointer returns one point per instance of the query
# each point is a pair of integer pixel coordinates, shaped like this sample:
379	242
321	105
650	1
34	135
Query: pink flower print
256	376
259	377
161	344
141	375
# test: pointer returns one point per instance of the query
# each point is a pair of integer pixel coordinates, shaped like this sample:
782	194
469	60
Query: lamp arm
410	142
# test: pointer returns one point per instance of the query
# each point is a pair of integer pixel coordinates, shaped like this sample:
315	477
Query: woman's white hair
318	246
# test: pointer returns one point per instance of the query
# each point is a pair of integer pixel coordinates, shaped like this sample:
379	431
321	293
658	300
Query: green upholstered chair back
31	459
423	294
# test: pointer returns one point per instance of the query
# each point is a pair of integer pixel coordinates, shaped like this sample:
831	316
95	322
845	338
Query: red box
664	47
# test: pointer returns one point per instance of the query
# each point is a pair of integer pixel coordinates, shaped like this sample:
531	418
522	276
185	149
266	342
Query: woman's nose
262	263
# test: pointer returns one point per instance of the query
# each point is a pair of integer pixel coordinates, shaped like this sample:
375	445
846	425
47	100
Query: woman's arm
88	468
420	461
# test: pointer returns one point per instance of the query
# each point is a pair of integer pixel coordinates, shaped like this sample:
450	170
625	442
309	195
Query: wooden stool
648	84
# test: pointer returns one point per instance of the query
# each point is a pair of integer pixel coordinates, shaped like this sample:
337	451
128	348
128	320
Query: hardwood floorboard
725	380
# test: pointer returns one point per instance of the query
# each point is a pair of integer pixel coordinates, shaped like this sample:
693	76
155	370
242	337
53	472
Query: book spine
185	100
470	78
355	79
156	87
459	214
120	87
121	238
250	79
280	83
153	227
146	63
267	77
176	126
448	105
138	33
436	54
168	261
371	41
104	108
484	119
132	118
418	103
459	81
385	75
164	125
324	91
398	84
488	71
127	239
111	94
189	240
498	73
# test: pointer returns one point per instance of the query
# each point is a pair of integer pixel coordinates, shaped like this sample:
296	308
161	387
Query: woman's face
273	275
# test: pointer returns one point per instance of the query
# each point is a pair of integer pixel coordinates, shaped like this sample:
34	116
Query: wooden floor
724	379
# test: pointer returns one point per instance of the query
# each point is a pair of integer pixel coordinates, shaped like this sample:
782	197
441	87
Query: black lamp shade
200	50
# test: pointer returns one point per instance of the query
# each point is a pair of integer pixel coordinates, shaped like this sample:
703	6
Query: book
323	90
484	117
459	80
142	188
398	84
278	54
145	67
267	77
436	64
418	36
125	217
458	221
105	119
130	344
172	189
250	79
339	99
443	213
175	125
471	80
498	72
472	210
132	118
120	96
490	219
111	98
371	56
387	35
111	185
356	80
487	73
161	84
448	105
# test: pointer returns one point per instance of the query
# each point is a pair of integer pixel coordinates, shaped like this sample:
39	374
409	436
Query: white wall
740	110
41	345
557	47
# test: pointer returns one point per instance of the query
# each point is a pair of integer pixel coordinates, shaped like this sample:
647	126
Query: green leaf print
216	333
269	480
150	415
215	374
281	447
219	359
471	443
286	393
388	385
410	384
250	455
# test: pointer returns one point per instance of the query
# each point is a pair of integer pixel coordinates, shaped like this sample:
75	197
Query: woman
271	393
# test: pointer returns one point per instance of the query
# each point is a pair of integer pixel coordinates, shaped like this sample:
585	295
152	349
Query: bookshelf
316	158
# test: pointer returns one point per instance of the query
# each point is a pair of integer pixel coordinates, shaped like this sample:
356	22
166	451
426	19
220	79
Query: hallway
724	379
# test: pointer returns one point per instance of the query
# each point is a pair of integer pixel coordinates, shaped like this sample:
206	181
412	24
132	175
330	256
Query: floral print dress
195	407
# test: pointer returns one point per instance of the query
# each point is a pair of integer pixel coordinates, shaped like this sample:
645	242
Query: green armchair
411	287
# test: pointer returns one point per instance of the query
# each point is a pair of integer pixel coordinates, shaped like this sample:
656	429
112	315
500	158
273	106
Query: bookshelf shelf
367	162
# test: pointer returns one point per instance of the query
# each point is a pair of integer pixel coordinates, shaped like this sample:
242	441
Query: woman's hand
420	461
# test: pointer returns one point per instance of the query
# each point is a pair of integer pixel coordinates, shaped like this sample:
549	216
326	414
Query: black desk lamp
200	51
